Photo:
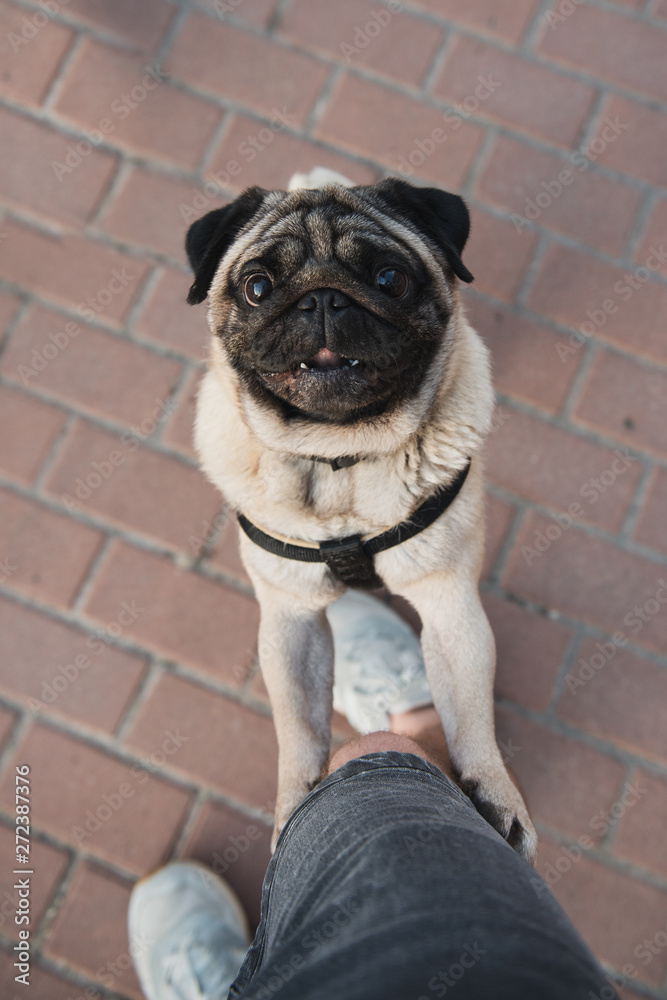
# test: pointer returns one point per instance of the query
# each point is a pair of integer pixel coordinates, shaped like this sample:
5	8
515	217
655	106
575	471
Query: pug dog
342	416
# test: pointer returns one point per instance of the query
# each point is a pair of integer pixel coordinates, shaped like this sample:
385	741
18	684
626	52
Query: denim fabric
387	884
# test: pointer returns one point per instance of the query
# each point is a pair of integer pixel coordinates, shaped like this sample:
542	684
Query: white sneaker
378	666
188	933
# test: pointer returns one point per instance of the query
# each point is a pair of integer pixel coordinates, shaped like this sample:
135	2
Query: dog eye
257	288
392	282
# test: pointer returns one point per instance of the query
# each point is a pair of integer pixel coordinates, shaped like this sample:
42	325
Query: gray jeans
387	884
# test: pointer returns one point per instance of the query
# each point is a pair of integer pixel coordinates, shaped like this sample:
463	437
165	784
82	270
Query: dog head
330	304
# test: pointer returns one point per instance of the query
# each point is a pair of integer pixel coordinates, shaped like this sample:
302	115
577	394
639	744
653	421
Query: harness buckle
347	560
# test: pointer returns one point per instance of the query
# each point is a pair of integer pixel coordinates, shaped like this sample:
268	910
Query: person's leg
387	883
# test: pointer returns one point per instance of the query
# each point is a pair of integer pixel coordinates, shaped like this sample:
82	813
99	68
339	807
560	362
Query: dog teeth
304	365
352	362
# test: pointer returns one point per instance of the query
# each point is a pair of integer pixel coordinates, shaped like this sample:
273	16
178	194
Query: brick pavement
128	678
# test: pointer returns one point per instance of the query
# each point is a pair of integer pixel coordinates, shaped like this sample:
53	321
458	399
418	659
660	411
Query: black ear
440	216
211	236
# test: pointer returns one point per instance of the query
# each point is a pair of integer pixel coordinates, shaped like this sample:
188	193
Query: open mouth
325	360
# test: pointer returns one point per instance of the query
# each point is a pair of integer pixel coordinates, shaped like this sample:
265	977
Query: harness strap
351	559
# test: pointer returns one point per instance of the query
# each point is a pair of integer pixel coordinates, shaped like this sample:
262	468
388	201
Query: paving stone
236	847
492	83
290	82
28	431
136	109
183	615
61	357
44	554
41	181
590	578
100	804
581	479
131	485
93	939
412	140
55	668
229	746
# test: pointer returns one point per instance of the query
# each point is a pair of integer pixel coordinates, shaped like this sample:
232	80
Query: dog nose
324	299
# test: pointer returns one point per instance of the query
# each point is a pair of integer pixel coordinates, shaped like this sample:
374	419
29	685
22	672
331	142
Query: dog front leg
459	655
296	657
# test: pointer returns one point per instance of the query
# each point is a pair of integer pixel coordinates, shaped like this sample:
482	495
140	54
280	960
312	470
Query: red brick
7	720
48	555
626	400
517	175
138	488
499	517
661	10
373	121
78	789
239	163
236	847
640	836
565	783
229	746
92	938
604	681
142	113
180	429
185	616
573	288
140	27
43	985
590	579
289	81
506	18
226	554
558	115
71	270
642	155
28	431
29	64
403	47
553	467
529	648
30	180
592	39
498	273
655	235
169	320
253	11
99	372
155	211
652	527
37	651
49	865
613	912
523	353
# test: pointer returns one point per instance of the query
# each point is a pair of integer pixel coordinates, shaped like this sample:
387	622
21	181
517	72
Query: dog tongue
326	359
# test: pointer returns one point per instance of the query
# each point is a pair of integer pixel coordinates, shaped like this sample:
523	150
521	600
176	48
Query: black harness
351	559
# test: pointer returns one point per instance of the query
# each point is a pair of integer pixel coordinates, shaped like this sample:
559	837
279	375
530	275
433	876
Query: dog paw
503	808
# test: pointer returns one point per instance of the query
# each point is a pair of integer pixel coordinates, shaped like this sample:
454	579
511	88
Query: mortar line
148	682
57	83
54	454
636	508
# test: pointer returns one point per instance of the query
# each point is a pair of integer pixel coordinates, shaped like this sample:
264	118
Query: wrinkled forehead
317	233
